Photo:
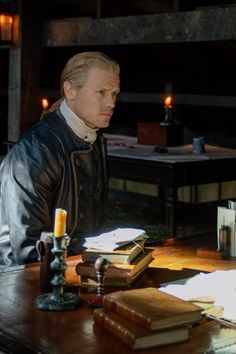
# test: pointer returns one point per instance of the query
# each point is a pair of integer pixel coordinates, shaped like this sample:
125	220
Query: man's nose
110	101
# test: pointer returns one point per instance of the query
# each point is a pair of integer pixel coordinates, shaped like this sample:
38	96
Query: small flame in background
45	103
168	101
6	27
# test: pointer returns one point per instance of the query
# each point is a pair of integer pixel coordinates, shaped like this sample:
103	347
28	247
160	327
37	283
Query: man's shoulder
47	132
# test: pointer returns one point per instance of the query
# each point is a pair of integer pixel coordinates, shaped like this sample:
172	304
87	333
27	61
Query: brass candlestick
58	300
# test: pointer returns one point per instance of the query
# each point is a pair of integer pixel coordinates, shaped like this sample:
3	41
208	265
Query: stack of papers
114	239
217	289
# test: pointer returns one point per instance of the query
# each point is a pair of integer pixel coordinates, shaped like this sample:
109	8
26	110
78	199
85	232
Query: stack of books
124	249
147	317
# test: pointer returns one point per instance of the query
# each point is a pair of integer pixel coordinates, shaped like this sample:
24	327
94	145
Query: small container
224	241
45	256
198	145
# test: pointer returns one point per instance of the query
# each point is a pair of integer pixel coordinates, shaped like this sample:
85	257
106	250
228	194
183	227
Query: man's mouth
106	114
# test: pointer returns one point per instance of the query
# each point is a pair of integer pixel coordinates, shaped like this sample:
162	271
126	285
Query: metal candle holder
168	117
58	300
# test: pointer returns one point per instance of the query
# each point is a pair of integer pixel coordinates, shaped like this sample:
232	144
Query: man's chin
104	124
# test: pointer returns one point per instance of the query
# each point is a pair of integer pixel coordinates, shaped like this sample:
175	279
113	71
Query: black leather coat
48	168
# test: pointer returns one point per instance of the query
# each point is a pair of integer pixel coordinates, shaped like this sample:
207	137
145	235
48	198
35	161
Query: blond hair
77	67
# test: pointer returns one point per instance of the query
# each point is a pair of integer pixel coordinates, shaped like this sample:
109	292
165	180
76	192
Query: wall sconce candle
6	28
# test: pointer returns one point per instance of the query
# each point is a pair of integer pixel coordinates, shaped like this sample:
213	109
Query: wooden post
24	69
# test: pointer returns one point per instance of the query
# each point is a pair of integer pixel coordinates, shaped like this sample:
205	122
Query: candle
168	102
45	103
60	222
168	111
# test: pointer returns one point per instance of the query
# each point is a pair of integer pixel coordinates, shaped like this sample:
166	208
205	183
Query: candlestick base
58	300
63	302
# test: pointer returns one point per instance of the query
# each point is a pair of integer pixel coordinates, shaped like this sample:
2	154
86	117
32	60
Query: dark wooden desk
176	168
24	329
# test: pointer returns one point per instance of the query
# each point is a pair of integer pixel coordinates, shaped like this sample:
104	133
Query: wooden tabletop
24	329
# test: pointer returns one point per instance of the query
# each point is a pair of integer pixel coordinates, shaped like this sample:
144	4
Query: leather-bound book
135	336
124	254
151	308
113	282
118	270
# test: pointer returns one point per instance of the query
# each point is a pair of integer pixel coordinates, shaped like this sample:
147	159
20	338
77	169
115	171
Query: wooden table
169	170
24	329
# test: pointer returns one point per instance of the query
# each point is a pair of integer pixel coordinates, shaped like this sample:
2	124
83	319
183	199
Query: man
60	162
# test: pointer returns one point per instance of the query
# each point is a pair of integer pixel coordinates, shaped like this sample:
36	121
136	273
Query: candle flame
168	101
45	103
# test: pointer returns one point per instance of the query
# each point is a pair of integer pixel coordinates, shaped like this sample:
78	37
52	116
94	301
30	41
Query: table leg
171	197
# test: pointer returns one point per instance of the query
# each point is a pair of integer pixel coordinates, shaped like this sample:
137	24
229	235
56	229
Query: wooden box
155	134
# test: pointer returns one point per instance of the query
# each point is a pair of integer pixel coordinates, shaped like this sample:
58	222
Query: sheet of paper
114	239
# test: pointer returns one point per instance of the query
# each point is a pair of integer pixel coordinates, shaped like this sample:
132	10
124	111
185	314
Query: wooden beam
208	24
158	98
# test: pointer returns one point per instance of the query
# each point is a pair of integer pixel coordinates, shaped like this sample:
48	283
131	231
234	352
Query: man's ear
69	90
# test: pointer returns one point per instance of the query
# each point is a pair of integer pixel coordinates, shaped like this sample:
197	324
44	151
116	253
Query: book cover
135	336
117	270
152	308
121	255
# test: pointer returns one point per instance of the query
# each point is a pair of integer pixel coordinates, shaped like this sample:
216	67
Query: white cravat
77	125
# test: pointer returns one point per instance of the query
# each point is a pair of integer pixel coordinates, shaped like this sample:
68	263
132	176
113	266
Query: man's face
95	101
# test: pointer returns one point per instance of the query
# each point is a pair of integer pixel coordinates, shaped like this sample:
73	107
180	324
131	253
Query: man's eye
115	94
102	92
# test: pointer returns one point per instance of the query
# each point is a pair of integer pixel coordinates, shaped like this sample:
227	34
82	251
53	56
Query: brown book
152	308
111	282
135	336
120	255
118	270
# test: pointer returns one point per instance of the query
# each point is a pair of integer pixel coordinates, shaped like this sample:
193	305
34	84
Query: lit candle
168	111
45	103
60	222
168	102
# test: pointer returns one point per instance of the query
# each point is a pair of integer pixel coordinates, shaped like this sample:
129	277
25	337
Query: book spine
108	282
110	273
118	330
126	312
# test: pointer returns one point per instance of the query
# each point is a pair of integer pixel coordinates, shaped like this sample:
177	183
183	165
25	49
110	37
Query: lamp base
160	135
52	302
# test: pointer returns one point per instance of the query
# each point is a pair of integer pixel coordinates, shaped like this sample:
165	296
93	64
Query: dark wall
201	68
